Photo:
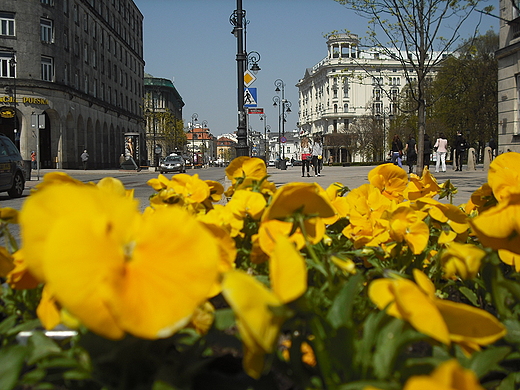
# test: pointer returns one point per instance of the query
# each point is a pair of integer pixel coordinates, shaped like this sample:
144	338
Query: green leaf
41	347
513	331
34	376
7	324
77	375
509	382
160	385
340	313
392	338
484	361
11	363
360	385
470	295
224	319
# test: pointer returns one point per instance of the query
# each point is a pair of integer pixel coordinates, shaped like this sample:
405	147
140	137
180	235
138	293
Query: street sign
283	140
250	97
255	111
249	78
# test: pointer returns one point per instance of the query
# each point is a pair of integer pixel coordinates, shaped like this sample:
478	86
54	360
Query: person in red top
33	159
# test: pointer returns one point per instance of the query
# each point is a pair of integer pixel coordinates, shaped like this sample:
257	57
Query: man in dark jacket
460	149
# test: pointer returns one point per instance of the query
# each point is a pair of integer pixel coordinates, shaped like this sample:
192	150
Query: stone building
347	84
508	56
72	71
163	113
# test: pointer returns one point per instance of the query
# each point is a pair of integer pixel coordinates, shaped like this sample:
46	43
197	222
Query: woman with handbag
317	151
306	156
397	151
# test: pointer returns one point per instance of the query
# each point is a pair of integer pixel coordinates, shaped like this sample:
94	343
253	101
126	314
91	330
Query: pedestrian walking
397	151
317	151
493	146
427	150
441	148
306	155
460	150
33	159
84	159
411	152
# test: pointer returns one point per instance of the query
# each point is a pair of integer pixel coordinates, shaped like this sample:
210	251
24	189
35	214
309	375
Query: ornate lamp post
284	106
204	125
263	118
239	23
194	119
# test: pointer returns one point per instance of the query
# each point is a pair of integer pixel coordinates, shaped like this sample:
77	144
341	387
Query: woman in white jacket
441	148
317	152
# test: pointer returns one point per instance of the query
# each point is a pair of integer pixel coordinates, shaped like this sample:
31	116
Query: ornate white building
508	57
345	85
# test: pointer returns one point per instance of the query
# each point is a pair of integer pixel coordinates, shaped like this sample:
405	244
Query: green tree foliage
465	91
411	31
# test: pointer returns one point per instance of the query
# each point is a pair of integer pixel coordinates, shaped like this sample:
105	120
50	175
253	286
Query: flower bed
376	287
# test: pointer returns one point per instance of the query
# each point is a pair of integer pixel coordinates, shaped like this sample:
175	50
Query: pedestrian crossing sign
250	97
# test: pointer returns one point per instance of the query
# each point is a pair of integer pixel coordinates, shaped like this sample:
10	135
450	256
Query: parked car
173	163
12	179
297	163
271	163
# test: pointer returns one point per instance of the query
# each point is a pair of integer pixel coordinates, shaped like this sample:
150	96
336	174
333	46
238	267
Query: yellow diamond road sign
249	78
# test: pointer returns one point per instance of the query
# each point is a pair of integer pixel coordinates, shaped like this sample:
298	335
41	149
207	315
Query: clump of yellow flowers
380	287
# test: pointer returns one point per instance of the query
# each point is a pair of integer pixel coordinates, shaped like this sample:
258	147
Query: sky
190	43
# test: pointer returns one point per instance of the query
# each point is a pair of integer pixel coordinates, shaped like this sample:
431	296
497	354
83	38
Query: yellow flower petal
461	260
287	271
390	180
513	259
504	177
469	323
447	376
47	311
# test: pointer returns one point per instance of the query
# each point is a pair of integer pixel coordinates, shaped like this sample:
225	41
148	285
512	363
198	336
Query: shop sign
24	99
7	113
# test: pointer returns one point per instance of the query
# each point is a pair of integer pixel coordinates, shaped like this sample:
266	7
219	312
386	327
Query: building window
7	66
85	52
7	24
47	69
345	108
67	73
66	41
46	34
47	2
86	84
377	95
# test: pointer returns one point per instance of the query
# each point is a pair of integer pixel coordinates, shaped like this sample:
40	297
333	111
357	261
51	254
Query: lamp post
239	22
12	64
194	119
263	118
204	125
284	106
386	113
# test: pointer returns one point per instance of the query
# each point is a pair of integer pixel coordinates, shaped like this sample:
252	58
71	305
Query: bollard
487	157
471	159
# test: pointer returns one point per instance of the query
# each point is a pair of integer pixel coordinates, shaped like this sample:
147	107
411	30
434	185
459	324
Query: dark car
173	163
12	177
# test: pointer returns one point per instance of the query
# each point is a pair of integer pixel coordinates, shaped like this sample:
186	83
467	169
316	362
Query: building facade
347	84
163	113
508	56
71	73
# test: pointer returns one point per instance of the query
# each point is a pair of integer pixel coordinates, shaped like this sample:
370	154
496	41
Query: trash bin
283	165
27	165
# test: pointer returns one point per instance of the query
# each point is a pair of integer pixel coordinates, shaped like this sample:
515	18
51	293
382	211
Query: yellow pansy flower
390	180
106	265
47	310
513	259
203	318
309	199
246	202
224	217
504	177
251	302
20	278
481	199
461	260
499	227
406	226
449	375
425	186
183	190
9	215
6	262
270	231
444	321
242	167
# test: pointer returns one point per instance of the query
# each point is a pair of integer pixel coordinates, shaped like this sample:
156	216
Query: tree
369	134
465	91
413	31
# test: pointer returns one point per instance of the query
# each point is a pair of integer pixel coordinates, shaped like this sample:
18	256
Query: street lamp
386	113
204	125
284	106
263	118
239	22
194	119
12	64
